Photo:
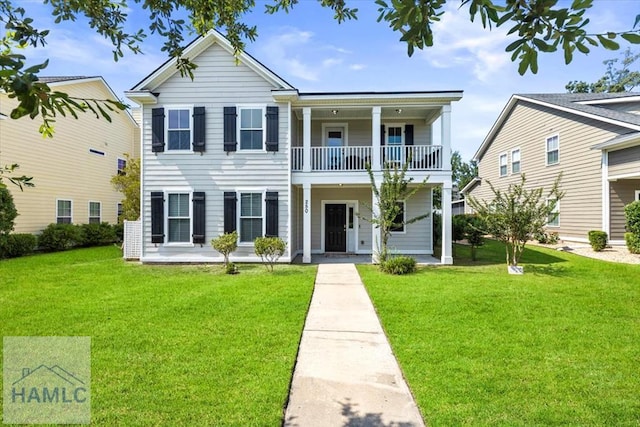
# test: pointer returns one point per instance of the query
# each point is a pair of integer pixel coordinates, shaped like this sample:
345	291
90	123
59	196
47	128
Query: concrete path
346	374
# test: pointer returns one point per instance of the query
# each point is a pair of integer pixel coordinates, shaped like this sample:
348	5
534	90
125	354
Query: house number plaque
306	206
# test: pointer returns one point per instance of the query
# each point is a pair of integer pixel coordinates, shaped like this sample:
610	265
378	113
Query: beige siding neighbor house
593	139
238	148
72	170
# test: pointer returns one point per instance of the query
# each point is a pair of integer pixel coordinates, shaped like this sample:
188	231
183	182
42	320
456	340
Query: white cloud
277	49
357	67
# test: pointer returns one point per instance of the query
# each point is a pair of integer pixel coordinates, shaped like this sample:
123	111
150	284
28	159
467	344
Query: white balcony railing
355	158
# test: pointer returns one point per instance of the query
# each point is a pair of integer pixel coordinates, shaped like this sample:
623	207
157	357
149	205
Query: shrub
437	228
17	245
399	265
474	233
119	230
632	216
633	242
458	227
8	212
270	249
547	238
225	244
59	237
231	268
598	240
96	234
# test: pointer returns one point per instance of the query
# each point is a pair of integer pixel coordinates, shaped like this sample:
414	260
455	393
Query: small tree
474	233
516	215
225	244
269	249
8	214
127	182
393	189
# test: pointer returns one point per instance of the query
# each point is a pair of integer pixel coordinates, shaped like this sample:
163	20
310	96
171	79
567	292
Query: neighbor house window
399	219
179	129
94	212
63	212
553	150
503	164
515	161
250	216
122	164
178	218
554	215
120	211
251	128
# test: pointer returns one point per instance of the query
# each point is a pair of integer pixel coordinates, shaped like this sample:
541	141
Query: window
399	219
120	211
503	164
97	152
122	164
178	218
250	216
94	212
554	216
637	194
179	129
63	212
251	125
553	151
515	161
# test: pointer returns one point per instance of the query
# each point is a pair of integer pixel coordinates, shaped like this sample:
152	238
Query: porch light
334	112
399	110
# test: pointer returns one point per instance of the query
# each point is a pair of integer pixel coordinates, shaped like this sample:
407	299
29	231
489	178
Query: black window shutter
198	130
408	134
229	211
381	134
157	130
157	217
230	142
272	128
198	217
272	214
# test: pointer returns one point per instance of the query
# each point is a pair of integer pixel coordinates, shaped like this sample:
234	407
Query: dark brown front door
335	230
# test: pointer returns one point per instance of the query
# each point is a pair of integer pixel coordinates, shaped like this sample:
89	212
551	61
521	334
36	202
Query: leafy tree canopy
462	172
622	79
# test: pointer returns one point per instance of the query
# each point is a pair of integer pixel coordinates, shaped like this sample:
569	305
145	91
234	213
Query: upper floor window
94	212
503	164
120	212
515	161
251	128
63	212
399	219
122	164
553	150
554	215
178	218
250	216
179	129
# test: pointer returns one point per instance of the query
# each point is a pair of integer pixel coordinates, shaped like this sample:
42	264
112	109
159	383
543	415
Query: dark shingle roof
55	79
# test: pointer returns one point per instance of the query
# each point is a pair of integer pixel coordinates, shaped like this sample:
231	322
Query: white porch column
375	138
306	139
447	254
445	136
376	235
306	223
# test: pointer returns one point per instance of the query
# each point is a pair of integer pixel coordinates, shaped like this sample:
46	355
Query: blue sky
312	52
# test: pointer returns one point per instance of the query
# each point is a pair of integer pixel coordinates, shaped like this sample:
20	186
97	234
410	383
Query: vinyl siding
218	82
527	127
359	132
62	167
624	162
622	193
417	236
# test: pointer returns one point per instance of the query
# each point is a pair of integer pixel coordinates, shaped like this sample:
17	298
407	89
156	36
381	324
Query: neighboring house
593	139
238	148
72	170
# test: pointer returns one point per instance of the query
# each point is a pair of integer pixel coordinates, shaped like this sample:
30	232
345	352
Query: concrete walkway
346	374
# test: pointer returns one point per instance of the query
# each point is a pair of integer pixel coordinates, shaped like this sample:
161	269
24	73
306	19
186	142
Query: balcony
355	158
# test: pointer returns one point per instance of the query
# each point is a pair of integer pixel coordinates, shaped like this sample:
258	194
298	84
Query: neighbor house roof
581	104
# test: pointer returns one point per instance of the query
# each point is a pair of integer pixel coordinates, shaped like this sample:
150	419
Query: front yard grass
171	345
559	345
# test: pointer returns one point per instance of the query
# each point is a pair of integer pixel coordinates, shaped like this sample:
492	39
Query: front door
335	231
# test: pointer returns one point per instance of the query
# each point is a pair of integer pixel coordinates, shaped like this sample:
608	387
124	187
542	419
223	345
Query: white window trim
118	165
387	125
239	108
263	192
329	125
89	210
637	194
506	164
71	208
546	150
557	209
188	191
404	212
168	108
519	161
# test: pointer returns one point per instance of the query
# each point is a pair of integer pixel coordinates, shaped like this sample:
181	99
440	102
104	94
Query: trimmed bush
225	244
632	216
119	230
18	245
633	242
458	227
546	238
8	214
598	240
59	237
96	234
269	249
399	265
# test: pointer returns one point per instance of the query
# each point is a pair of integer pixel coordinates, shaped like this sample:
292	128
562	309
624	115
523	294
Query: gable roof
581	104
195	48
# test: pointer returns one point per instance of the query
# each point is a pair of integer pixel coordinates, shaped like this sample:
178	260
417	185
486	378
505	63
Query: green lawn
171	345
557	346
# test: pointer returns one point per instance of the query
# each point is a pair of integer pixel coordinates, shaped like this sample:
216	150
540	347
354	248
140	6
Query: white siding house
238	148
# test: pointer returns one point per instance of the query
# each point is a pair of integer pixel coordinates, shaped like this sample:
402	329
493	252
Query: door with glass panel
334	143
394	145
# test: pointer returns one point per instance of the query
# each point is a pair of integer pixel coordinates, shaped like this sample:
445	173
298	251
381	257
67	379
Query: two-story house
238	148
71	171
593	139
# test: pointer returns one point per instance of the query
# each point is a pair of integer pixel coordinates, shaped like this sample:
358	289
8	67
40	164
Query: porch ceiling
345	112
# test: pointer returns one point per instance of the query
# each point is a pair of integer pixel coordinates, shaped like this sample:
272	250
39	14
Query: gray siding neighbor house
593	139
238	148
